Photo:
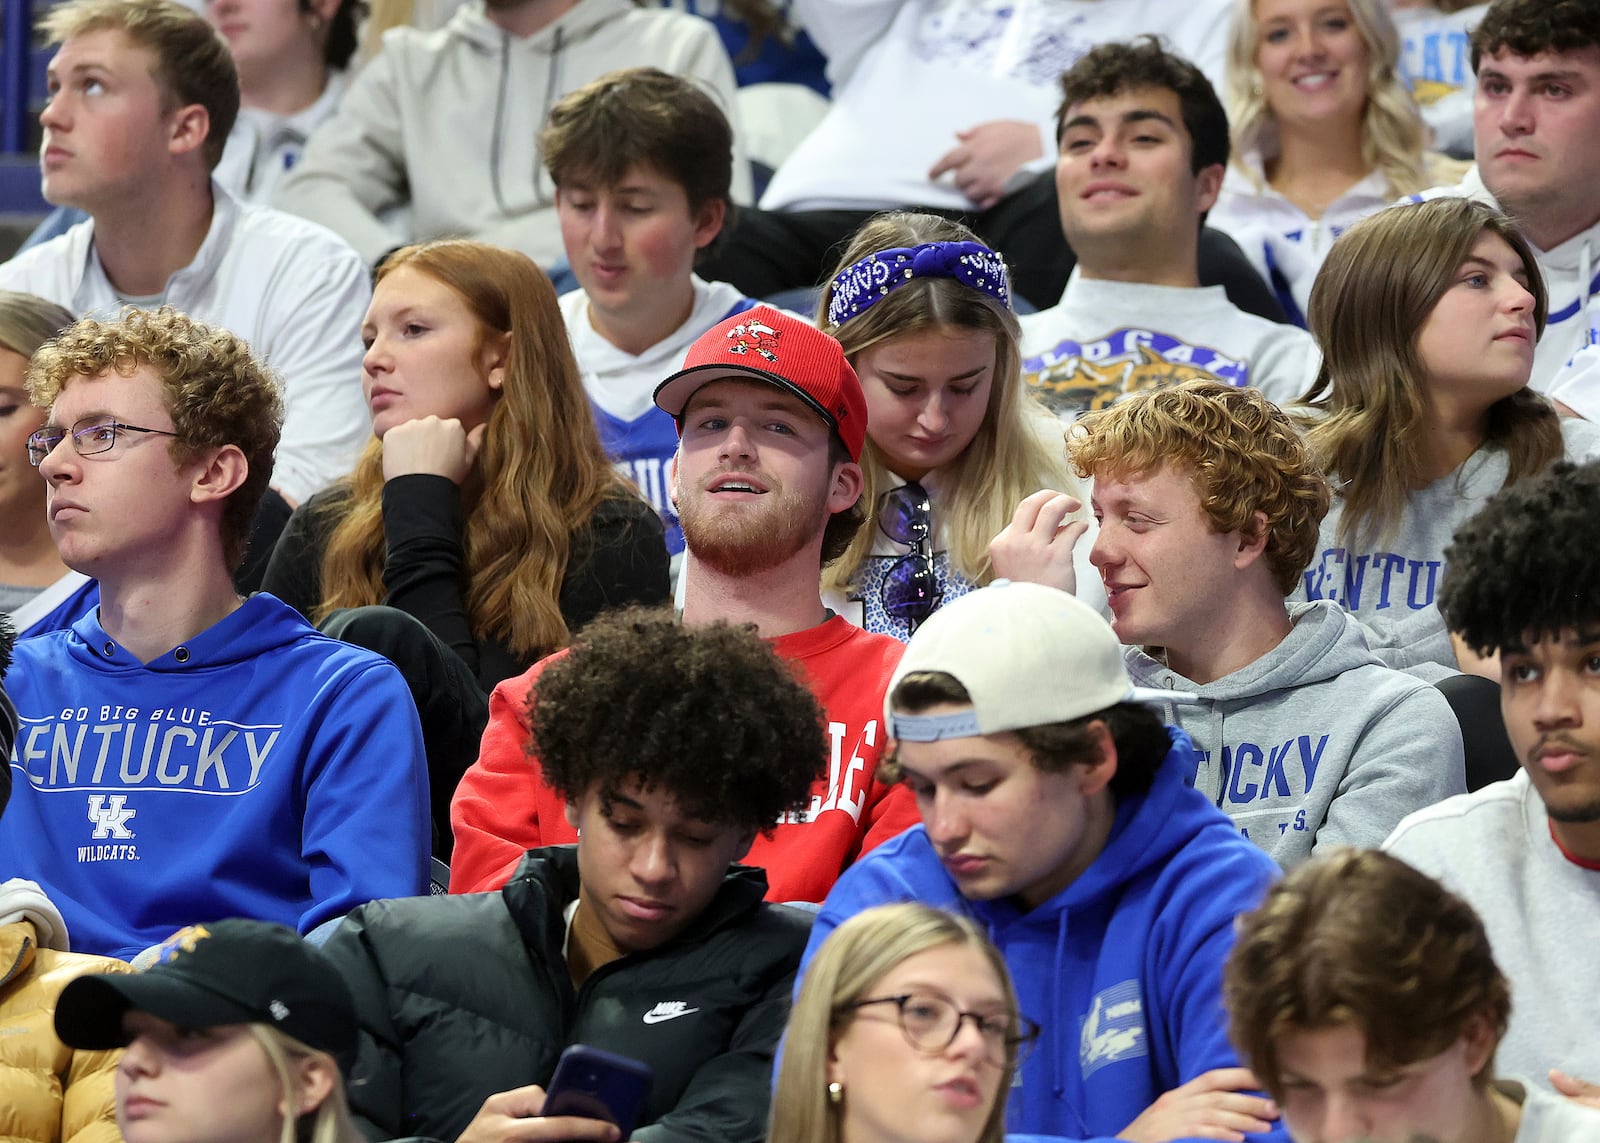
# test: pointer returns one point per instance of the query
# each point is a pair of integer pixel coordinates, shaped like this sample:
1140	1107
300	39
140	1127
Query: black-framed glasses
932	1022
90	436
910	591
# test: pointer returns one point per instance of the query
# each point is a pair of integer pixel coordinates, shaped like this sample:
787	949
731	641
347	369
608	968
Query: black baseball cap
223	972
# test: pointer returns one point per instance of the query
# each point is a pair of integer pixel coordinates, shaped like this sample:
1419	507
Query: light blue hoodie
1122	969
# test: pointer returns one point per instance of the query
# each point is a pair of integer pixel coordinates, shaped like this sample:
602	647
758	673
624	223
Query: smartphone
597	1084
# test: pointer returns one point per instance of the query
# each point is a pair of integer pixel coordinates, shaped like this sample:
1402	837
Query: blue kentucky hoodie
259	770
1122	969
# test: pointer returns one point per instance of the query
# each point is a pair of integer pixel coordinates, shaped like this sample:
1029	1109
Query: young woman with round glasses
957	450
906	1028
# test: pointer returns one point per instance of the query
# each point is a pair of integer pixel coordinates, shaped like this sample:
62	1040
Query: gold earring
836	1092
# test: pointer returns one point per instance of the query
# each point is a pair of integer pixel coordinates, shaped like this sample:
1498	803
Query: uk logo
110	816
1114	1028
753	337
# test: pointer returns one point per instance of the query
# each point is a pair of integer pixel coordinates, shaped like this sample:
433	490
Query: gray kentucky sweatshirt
1316	743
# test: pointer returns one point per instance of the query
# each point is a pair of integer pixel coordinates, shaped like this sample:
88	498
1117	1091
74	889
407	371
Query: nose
651	862
607	227
1516	112
1104	552
736	443
1107	153
1308	42
376	358
139	1058
1517	297
1344	1120
932	417
54	114
969	1043
945	822
58	464
1558	701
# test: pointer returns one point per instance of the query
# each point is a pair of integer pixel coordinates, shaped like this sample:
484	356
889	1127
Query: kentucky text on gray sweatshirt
1391	585
1316	743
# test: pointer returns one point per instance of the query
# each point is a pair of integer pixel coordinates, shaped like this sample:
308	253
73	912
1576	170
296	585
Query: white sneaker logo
668	1010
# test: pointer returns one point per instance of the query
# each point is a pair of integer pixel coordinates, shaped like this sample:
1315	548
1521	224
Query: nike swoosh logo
658	1017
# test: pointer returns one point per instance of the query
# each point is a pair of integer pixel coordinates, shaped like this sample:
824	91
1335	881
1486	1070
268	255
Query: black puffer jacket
462	997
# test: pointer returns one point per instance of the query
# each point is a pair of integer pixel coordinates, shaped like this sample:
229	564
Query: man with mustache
771	421
1525	853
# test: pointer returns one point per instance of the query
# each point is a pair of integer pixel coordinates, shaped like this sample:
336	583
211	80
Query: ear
672	477
746	840
496	352
574	812
1478	1041
1097	776
1252	542
190	127
315	1076
327	9
708	223
1207	186
846	487
219	476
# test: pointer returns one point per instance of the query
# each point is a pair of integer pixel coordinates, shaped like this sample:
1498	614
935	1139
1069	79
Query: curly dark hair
708	713
1533	27
1524	565
1359	939
1111	69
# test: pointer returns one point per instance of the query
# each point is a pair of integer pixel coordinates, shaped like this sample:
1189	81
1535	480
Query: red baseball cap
782	350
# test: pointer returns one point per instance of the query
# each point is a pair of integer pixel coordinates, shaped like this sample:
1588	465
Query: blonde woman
37	590
233	1034
957	450
906	1028
1325	132
1427	315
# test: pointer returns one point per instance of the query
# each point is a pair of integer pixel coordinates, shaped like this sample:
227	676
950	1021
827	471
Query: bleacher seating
22	93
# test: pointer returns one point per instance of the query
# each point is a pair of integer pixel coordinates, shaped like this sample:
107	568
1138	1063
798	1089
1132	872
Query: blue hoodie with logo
259	770
1122	969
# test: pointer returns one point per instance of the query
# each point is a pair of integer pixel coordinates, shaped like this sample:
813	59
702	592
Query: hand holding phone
515	1117
597	1084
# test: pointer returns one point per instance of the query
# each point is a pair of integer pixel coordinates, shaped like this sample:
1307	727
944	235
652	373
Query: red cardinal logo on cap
753	337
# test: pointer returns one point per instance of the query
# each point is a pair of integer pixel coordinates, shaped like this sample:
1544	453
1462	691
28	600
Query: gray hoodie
1316	743
448	121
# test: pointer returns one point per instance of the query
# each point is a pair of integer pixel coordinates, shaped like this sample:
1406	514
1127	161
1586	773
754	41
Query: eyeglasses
910	591
932	1022
90	437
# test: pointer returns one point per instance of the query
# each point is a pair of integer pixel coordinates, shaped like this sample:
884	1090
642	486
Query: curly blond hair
1240	450
1393	135
212	386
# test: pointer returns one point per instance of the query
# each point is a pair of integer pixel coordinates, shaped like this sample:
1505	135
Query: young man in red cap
771	420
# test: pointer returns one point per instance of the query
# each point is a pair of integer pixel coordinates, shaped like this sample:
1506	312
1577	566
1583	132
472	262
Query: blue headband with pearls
858	287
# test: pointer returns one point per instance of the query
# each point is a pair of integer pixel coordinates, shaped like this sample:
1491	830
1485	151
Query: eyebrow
918	377
1138	115
1568	74
948	771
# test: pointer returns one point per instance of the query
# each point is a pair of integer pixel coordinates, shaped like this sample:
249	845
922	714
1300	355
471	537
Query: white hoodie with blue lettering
1316	743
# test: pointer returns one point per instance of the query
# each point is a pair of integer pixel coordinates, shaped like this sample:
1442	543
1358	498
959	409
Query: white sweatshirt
1105	339
1494	848
908	74
1436	61
295	292
1284	243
